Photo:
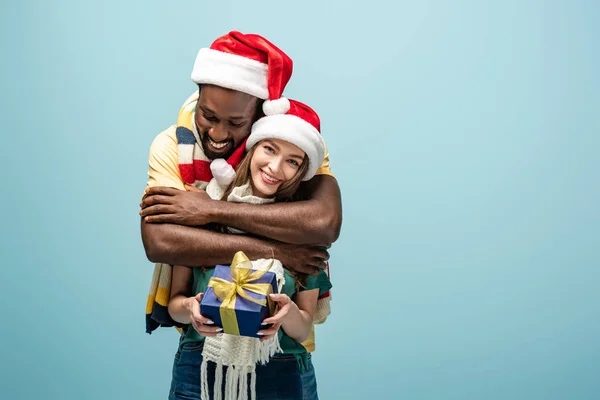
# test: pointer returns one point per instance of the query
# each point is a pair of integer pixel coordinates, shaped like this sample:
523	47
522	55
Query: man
213	124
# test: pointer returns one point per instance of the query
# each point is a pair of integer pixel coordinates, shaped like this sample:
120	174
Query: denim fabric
309	382
185	384
280	379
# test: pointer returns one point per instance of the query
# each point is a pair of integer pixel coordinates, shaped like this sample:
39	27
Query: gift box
237	298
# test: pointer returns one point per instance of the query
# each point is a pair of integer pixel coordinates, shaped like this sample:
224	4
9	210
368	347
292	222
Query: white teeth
270	179
217	145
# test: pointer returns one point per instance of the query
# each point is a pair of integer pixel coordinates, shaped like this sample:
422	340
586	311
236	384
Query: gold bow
242	277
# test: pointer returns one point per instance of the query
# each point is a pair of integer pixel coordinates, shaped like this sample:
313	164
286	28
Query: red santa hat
247	63
297	124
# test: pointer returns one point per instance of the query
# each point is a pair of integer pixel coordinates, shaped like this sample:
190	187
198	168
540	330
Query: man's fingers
161	219
156	209
162	190
312	266
304	269
156	199
321	254
317	263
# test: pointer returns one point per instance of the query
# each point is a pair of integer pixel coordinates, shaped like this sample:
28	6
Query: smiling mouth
217	145
269	179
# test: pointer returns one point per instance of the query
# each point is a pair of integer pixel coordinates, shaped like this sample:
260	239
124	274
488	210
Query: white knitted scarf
238	355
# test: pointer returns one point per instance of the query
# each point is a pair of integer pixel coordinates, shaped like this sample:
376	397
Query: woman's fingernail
272	295
218	329
259	333
264	323
209	322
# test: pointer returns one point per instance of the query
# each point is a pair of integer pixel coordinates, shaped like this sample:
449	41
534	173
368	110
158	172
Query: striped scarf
194	167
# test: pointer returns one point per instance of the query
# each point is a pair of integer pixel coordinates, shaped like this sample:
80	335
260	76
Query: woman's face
274	162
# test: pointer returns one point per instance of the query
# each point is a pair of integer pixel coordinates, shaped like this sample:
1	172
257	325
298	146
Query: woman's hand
285	305
202	325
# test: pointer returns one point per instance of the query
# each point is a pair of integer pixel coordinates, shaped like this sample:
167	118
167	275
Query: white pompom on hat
222	171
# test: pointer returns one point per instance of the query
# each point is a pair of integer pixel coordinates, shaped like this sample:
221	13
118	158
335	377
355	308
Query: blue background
465	136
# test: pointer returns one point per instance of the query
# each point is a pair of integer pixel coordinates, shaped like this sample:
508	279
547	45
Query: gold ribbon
242	277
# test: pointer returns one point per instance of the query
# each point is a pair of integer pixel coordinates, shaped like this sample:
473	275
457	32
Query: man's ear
259	109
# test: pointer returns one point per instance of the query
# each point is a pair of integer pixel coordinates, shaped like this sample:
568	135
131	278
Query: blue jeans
280	379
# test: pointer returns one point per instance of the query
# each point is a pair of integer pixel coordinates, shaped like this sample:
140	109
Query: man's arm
167	240
192	246
317	219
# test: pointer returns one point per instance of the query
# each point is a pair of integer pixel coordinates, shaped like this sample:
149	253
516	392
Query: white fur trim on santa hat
277	106
231	71
222	171
294	130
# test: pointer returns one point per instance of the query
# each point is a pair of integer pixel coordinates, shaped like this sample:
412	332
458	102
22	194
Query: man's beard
212	155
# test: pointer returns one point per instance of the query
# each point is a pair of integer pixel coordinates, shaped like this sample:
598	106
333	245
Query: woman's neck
258	193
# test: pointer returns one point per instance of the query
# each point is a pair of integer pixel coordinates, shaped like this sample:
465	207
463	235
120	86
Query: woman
283	150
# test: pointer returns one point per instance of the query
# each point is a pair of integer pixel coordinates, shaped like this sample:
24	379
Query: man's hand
173	206
305	258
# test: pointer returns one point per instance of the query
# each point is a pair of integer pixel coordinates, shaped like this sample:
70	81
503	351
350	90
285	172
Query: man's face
224	118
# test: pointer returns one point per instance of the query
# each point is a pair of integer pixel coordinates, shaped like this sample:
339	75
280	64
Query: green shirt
288	345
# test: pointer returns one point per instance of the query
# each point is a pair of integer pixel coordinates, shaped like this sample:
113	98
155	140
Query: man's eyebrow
237	117
207	110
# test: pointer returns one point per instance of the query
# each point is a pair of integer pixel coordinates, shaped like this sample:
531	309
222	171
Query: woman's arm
185	308
294	317
181	289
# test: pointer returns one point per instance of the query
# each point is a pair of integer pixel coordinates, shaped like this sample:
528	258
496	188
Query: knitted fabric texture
238	354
